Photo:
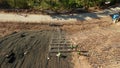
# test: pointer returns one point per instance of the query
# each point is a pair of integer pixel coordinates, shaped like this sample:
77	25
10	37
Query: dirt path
80	61
84	62
103	45
35	18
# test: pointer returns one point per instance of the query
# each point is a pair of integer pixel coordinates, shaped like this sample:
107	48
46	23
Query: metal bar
60	39
70	50
61	46
60	43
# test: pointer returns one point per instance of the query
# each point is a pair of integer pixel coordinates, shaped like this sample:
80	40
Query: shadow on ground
76	16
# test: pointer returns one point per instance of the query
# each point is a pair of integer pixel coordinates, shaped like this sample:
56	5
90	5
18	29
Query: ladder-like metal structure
59	43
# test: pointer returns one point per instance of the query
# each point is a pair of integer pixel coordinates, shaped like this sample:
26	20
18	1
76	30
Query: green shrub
4	4
17	3
55	5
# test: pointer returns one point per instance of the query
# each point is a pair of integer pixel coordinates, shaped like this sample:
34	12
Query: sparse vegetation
55	5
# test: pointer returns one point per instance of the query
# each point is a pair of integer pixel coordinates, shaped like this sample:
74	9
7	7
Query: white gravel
33	18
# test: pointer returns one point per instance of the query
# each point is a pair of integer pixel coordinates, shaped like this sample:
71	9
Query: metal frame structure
59	44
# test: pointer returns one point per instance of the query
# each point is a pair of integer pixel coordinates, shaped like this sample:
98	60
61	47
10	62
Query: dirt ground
29	49
99	37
